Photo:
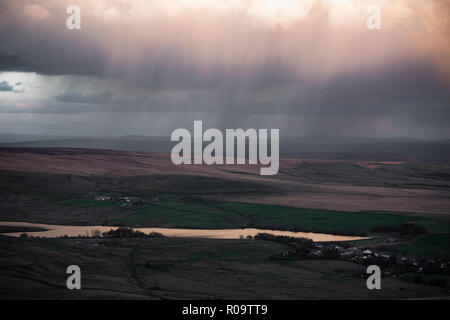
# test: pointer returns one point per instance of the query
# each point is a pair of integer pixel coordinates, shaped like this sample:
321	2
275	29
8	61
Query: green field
87	203
174	211
177	215
203	214
435	245
312	219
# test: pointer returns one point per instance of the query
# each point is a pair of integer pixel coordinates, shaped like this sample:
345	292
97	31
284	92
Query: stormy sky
306	67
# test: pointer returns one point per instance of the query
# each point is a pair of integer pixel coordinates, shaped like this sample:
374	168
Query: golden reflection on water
54	231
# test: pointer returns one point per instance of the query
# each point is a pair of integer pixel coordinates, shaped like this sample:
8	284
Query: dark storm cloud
200	50
5	86
406	88
201	62
9	62
77	97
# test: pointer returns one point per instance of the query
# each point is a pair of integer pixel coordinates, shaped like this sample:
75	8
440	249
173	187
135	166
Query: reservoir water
55	231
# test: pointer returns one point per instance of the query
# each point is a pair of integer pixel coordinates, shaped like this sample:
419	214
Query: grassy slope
171	268
215	215
435	245
86	203
166	210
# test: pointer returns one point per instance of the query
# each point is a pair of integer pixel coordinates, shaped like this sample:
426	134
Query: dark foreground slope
169	268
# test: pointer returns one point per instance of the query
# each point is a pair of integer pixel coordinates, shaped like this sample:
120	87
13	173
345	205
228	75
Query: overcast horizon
306	67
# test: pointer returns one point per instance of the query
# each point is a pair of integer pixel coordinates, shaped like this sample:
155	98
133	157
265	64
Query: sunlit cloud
314	59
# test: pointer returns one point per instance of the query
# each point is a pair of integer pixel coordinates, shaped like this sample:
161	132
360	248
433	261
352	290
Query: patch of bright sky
34	86
27	85
271	12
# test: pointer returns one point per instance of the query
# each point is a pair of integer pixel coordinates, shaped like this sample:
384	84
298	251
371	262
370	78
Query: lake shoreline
56	231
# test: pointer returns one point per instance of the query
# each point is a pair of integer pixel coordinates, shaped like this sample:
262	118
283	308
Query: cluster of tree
124	232
404	229
437	282
308	243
